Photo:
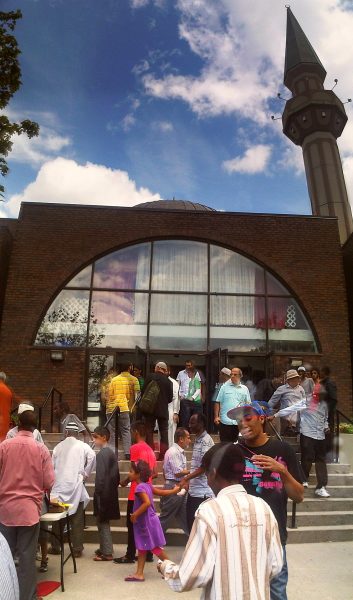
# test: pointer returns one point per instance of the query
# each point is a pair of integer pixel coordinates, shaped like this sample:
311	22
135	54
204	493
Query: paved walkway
317	572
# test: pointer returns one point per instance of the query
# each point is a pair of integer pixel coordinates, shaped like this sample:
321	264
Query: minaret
314	118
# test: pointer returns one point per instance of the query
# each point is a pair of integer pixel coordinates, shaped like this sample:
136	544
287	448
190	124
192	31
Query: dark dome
175	205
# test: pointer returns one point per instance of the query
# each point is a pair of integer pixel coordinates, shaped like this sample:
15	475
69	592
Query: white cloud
128	122
254	160
65	181
164	126
139	3
291	158
39	149
241	44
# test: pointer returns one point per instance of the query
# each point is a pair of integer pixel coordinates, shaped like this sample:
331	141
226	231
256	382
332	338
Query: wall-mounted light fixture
296	362
56	356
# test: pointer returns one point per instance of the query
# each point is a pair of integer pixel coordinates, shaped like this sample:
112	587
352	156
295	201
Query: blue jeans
278	585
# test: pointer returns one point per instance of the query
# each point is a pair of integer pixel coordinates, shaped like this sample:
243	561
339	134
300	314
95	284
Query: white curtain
235	274
179	266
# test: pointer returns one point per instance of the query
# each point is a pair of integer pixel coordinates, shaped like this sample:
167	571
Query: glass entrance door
217	359
100	367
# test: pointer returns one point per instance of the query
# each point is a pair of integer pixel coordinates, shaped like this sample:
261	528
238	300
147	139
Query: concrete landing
316	571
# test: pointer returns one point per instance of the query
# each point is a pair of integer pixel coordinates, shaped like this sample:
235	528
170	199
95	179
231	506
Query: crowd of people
231	501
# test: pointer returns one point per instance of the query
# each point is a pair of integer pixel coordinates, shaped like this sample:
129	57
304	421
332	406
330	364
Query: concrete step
304	519
336	491
307	534
123	503
319	534
174	537
334	479
315	504
309	519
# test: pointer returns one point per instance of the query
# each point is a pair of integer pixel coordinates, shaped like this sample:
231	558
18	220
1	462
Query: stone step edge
123	513
320	513
123	529
322	528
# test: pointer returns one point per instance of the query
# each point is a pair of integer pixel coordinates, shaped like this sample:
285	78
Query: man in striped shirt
234	547
174	469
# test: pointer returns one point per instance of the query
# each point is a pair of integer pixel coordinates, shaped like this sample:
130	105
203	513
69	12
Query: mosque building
84	288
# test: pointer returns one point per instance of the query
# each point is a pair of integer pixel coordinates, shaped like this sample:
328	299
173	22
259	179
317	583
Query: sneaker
305	484
43	566
322	493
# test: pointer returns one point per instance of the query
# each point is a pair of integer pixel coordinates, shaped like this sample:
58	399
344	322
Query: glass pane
125	269
65	323
237	323
179	265
82	279
118	319
178	322
289	330
99	375
234	274
275	287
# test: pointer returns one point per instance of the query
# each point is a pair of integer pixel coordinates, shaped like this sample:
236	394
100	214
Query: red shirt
5	407
141	451
26	471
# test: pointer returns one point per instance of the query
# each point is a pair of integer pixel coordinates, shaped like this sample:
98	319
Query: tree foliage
10	82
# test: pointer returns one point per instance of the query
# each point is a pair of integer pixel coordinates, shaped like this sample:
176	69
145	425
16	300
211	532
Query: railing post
116	419
336	439
294	516
51	409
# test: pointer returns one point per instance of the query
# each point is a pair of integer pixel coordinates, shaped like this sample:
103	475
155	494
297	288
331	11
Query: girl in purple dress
147	528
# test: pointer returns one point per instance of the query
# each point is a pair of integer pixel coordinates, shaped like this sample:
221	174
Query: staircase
318	519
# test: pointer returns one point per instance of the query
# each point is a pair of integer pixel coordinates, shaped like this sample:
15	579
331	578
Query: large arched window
176	295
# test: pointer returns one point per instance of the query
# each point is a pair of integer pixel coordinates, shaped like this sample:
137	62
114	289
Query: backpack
149	400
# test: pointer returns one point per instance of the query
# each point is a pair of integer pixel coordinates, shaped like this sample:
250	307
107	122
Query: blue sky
148	99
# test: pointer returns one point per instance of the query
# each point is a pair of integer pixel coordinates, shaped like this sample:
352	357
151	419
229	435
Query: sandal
133	578
98	552
103	558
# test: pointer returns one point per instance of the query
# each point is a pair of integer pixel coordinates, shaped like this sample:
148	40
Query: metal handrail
336	432
115	415
50	396
344	416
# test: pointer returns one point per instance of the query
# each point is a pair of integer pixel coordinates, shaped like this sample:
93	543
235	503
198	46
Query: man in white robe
173	411
73	462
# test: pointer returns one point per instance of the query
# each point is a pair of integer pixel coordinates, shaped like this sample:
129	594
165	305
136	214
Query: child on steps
147	528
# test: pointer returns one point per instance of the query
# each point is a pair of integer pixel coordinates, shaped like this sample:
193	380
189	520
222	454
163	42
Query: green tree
10	81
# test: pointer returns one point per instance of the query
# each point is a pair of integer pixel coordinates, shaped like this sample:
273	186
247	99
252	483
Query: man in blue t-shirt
231	395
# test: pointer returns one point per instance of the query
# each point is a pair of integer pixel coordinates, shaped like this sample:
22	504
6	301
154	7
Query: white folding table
63	519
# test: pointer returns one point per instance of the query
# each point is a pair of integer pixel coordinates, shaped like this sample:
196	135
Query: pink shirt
26	471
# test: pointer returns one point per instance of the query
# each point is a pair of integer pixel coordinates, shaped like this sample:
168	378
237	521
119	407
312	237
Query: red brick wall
5	251
52	242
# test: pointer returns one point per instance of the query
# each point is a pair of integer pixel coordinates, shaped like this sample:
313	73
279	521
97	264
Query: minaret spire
314	118
299	52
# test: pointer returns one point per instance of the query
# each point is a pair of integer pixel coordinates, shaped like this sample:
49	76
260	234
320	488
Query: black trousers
187	409
192	504
163	433
314	451
131	548
228	433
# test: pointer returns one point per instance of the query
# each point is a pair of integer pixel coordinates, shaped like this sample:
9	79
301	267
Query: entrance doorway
209	364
